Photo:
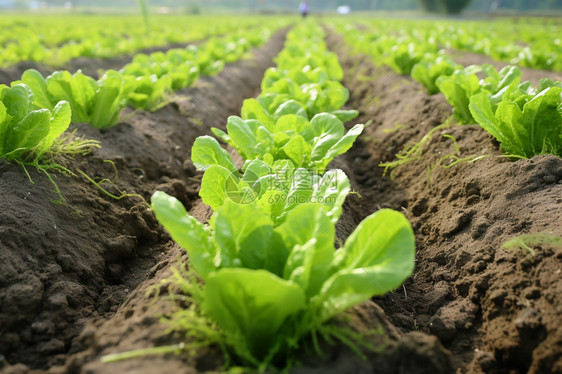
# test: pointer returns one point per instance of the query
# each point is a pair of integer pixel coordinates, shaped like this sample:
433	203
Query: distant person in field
303	7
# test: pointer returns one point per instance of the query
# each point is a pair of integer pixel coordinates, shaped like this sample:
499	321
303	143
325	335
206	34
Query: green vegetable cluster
143	83
158	74
35	111
271	276
26	129
97	102
525	120
56	39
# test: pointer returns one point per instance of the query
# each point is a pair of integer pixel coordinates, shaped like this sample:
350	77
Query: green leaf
332	191
273	202
292	124
296	150
345	115
326	123
542	120
18	101
217	185
308	234
243	136
290	107
254	175
329	96
60	121
28	132
481	110
252	306
61	86
252	109
342	146
242	232
301	189
108	100
84	92
376	258
34	80
206	152
221	135
508	75
189	233
458	88
508	118
328	130
4	124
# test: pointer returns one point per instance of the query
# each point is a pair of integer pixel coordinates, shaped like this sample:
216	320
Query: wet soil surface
496	311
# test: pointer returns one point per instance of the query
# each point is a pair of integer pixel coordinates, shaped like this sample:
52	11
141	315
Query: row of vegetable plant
143	83
263	276
36	111
526	120
529	45
55	40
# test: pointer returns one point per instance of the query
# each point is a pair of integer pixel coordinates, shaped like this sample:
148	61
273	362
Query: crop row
526	120
531	45
264	278
55	40
35	111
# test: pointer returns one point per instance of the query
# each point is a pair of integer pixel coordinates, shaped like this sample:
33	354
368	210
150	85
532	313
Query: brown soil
62	265
497	311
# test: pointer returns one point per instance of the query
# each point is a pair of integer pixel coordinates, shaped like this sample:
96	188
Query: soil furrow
65	265
494	310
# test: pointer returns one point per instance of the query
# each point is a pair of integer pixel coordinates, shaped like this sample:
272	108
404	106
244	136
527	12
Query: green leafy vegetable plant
306	82
460	86
157	75
149	91
524	128
95	102
26	128
430	68
268	287
276	188
307	144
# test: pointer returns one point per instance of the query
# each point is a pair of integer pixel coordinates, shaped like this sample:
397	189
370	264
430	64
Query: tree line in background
435	6
444	6
457	6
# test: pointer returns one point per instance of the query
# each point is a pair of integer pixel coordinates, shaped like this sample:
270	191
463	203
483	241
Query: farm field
265	193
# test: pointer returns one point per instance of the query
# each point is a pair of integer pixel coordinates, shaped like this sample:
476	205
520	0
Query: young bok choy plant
308	144
98	103
432	67
526	121
460	86
26	128
277	188
269	287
